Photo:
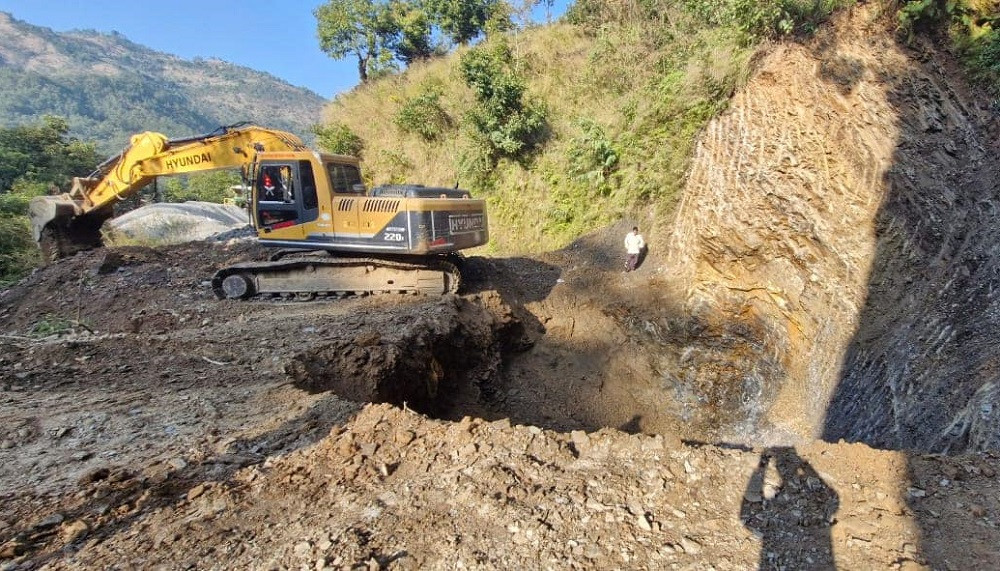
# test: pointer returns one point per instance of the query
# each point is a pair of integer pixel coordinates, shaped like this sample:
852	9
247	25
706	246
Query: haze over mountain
109	87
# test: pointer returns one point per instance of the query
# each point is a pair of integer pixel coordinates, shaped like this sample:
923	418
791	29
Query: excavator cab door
348	196
285	199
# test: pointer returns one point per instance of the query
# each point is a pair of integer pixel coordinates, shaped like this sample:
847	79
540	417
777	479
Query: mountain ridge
109	87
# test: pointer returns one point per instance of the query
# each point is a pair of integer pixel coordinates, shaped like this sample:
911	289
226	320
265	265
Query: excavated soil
558	413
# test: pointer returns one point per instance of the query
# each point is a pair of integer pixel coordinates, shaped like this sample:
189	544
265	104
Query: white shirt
634	243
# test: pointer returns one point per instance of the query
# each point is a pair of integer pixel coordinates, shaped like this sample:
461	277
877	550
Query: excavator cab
284	197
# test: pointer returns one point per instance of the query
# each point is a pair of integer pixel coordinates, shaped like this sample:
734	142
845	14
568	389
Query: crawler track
310	276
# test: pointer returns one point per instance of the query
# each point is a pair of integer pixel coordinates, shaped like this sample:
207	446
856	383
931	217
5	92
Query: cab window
344	178
309	198
275	184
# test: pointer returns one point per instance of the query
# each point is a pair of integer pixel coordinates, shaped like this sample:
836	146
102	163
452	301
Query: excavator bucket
61	228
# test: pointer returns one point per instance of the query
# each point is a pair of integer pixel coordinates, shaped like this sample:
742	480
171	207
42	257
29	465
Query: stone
196	491
12	549
51	521
690	546
74	530
643	523
770	491
95	475
405	437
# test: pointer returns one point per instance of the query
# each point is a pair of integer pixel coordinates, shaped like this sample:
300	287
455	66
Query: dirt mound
448	352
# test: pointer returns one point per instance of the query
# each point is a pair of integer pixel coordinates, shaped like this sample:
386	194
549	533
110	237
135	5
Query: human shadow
790	508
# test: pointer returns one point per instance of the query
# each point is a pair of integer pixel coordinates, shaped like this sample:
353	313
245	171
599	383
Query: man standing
633	247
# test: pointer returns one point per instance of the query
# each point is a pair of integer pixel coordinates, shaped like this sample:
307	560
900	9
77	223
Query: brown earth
559	413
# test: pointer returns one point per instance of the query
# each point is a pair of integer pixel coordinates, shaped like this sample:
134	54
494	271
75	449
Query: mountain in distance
109	88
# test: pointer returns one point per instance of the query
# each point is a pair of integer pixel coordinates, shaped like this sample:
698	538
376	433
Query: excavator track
304	278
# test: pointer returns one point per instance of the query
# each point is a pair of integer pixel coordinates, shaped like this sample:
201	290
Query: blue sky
276	36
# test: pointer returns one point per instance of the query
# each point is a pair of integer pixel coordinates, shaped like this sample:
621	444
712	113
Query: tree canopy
364	29
43	154
382	34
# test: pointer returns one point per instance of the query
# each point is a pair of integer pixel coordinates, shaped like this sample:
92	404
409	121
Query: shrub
476	161
510	124
338	138
758	19
422	115
18	252
985	60
592	156
971	26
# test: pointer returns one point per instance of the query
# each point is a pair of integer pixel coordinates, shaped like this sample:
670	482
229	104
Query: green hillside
592	119
108	88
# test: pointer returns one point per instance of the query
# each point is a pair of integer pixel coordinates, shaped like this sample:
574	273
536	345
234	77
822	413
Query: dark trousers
630	261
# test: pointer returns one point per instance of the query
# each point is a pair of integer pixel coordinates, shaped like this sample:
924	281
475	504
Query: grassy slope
650	88
648	74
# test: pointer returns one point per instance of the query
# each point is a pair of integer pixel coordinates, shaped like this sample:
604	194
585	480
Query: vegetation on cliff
566	127
594	118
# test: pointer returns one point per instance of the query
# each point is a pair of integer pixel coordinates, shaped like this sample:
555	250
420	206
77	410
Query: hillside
109	88
624	89
622	102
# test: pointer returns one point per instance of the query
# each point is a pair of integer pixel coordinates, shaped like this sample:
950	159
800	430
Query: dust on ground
148	424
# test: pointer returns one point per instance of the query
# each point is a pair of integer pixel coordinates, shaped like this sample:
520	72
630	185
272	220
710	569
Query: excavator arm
70	222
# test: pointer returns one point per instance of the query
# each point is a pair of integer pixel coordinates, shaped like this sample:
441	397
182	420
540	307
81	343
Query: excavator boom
68	222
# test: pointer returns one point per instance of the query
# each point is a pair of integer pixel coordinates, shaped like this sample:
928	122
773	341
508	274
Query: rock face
838	225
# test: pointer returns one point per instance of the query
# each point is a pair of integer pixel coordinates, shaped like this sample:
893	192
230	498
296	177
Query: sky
275	36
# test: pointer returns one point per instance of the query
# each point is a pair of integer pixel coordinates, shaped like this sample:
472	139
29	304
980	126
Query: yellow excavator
334	236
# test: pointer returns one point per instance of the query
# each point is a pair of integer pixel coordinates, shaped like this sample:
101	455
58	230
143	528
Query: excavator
332	235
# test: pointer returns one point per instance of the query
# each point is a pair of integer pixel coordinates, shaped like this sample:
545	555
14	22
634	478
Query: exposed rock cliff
840	218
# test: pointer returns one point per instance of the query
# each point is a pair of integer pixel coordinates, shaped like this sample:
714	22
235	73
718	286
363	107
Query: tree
464	20
43	154
213	186
33	158
414	26
365	29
